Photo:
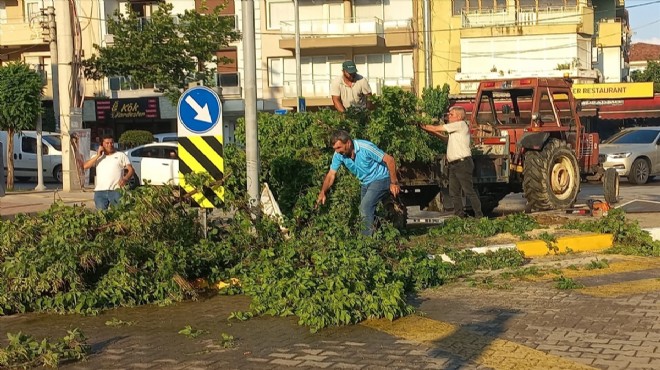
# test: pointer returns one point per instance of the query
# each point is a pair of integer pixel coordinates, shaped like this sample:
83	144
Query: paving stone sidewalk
591	332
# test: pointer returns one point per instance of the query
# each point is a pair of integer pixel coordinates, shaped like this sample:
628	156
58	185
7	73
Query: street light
296	11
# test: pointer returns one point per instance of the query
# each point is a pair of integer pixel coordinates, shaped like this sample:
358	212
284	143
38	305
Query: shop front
115	116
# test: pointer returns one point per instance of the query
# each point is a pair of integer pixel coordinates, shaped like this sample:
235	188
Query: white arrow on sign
202	113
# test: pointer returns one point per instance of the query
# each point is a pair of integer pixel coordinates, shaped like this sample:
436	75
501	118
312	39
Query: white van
25	155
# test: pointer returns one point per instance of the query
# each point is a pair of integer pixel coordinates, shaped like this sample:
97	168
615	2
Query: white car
166	137
634	152
157	163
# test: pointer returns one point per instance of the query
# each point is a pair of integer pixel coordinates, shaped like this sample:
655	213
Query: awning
632	108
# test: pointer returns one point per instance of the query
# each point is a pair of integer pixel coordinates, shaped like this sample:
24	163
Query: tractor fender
533	140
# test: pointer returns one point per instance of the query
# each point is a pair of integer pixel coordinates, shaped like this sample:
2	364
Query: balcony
18	32
317	91
333	33
530	16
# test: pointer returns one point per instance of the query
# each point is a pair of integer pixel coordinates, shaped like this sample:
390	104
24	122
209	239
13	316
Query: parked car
166	137
157	163
25	154
634	153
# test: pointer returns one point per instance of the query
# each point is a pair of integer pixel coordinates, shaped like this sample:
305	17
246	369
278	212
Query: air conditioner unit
109	39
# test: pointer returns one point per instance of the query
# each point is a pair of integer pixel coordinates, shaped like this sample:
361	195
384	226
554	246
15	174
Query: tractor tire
639	172
551	177
611	186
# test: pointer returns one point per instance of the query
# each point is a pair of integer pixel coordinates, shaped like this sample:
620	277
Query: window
279	11
388	67
458	6
29	145
282	71
3	12
633	137
32	10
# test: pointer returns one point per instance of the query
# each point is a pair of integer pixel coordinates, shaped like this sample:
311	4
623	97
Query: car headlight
619	155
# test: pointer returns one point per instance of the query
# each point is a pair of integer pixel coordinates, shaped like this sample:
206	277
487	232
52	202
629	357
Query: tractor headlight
620	155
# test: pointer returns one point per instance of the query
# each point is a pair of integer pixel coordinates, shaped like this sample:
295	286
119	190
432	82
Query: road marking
484	350
623	288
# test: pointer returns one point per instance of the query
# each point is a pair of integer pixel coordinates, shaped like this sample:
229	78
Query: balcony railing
530	16
19	32
320	87
333	28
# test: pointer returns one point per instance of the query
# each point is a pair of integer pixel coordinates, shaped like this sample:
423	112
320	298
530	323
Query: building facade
484	39
379	35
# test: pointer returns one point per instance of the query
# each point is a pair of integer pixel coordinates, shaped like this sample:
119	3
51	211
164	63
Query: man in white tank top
110	165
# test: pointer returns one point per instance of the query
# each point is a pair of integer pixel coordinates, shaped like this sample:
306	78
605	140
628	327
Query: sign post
199	115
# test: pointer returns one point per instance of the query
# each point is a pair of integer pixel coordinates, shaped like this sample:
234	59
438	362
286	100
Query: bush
133	138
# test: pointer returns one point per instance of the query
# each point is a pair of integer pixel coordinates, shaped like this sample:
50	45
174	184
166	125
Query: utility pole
49	33
251	132
428	48
65	90
54	75
296	11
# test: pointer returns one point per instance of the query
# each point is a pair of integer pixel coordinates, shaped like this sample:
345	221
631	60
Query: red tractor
528	138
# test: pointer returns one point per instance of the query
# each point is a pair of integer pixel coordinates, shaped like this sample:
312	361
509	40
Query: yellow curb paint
623	288
630	264
578	243
469	346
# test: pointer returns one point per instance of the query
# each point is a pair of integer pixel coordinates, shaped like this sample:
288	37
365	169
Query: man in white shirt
459	156
110	165
350	89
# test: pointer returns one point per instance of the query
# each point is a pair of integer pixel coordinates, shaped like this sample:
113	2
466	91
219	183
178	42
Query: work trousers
460	178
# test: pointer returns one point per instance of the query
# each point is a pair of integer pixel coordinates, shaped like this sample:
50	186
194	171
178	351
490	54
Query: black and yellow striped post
199	114
198	154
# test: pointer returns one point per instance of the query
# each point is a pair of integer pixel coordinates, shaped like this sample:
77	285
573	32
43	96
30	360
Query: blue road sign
199	110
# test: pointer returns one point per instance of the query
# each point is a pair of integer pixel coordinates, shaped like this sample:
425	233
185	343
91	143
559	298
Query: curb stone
537	248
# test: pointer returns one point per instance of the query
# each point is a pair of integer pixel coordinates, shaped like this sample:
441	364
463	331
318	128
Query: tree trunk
10	159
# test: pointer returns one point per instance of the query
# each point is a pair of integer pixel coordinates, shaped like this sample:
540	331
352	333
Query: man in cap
350	89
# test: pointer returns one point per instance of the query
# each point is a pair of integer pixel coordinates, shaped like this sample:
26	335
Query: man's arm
435	130
391	166
336	100
92	161
126	178
327	184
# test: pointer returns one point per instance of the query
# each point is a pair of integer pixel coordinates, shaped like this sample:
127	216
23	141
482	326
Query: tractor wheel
639	172
611	186
551	177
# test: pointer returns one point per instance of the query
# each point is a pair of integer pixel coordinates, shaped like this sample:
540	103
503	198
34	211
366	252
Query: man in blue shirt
375	169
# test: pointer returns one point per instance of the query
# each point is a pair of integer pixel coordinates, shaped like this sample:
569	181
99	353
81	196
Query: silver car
634	153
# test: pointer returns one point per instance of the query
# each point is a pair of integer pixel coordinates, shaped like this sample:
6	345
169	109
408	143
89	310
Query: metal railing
333	28
320	87
528	16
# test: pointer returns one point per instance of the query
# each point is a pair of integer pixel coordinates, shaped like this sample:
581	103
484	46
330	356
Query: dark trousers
460	178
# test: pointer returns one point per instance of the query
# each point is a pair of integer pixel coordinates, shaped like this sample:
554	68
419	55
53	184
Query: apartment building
379	35
479	39
21	39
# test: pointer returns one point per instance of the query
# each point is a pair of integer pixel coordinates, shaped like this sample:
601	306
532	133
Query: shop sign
599	103
613	90
127	109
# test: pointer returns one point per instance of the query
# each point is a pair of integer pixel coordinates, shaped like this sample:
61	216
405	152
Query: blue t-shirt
368	165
